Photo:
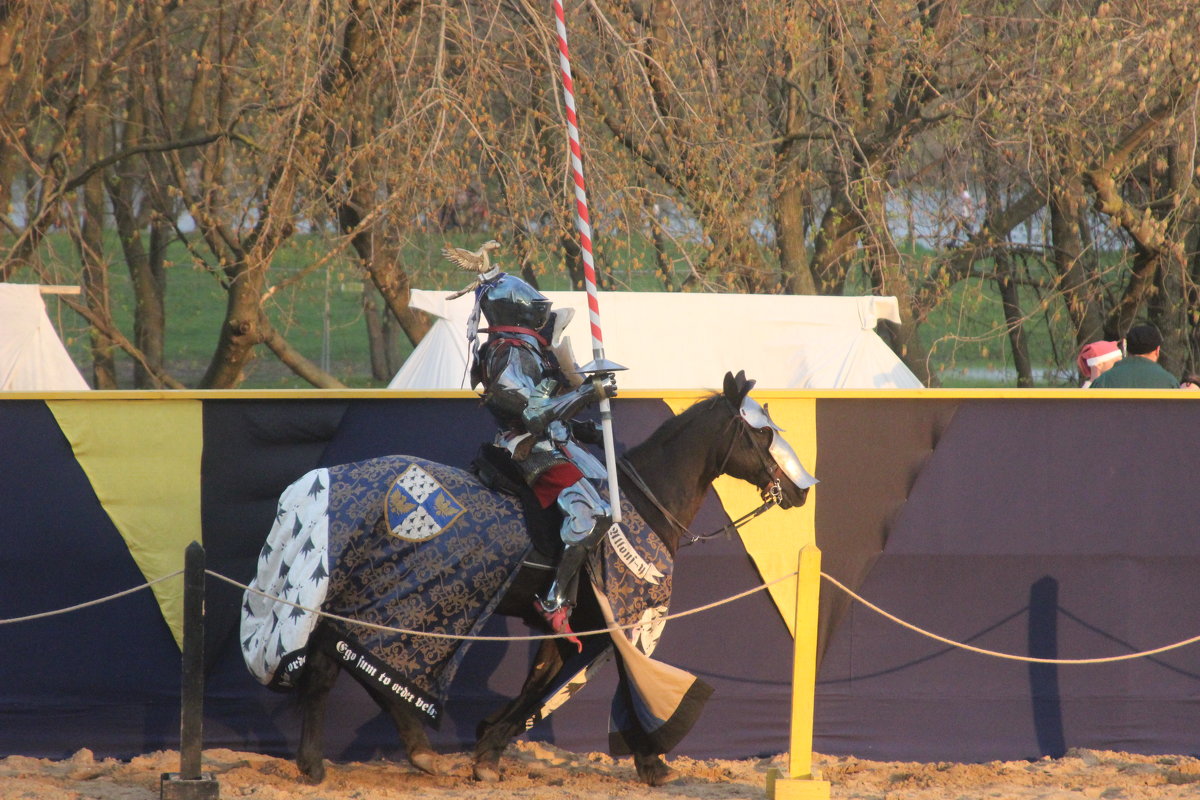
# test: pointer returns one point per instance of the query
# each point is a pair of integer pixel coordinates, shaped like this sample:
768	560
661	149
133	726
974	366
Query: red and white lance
599	363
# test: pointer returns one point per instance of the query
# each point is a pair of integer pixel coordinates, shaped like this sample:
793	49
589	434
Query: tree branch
119	339
293	359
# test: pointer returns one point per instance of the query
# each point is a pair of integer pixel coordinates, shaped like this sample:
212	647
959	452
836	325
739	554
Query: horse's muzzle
794	499
783	493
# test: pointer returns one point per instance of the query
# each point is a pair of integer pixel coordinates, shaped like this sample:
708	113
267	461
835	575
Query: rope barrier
531	638
1006	656
679	615
95	602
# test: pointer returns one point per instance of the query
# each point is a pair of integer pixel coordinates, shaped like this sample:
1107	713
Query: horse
668	476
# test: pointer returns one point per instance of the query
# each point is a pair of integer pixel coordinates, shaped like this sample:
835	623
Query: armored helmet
508	300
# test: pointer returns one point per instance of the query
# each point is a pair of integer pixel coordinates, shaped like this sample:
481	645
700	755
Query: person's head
1190	381
508	300
1096	358
1143	340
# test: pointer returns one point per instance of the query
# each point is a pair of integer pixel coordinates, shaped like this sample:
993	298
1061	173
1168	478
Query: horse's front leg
412	733
320	673
652	770
497	730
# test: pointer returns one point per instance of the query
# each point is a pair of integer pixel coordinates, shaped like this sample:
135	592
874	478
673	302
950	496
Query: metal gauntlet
543	409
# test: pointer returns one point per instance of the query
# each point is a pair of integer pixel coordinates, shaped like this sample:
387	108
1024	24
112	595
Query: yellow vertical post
800	783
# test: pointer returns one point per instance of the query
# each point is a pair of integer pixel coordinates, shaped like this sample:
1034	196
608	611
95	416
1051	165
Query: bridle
686	535
772	493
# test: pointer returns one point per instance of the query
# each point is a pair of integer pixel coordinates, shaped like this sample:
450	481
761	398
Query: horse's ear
737	387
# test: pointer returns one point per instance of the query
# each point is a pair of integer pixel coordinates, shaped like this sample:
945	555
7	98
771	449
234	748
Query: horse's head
759	454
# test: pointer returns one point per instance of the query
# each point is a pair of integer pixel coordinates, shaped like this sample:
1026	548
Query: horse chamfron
404	556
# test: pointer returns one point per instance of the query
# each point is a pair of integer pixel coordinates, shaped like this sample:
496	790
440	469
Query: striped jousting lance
599	363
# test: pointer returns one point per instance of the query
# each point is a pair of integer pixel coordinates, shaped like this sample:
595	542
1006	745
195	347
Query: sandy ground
537	771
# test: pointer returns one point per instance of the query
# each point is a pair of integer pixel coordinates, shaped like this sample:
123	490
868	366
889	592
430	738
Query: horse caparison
676	466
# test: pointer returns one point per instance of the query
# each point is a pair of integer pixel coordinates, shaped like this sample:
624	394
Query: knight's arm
544	409
515	390
513	377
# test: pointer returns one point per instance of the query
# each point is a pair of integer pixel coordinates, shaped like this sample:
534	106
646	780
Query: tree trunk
834	245
376	336
13	14
95	281
1153	247
384	266
382	262
1008	286
1168	304
1192	298
91	235
1081	297
1013	318
144	255
658	237
791	239
149	286
572	252
391	339
240	330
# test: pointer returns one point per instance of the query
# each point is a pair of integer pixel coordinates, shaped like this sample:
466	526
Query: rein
771	494
687	535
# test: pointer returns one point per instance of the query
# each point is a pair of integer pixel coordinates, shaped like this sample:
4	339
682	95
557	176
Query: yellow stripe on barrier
800	782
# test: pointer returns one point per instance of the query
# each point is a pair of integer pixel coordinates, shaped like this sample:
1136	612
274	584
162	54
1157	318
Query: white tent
671	340
32	357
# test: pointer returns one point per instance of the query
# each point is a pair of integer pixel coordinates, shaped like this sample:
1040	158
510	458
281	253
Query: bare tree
816	147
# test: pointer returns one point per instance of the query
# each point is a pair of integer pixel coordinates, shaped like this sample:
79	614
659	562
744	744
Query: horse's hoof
486	773
426	761
662	778
656	773
312	773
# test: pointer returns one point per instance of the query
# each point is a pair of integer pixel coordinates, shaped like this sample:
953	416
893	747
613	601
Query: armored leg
564	589
585	520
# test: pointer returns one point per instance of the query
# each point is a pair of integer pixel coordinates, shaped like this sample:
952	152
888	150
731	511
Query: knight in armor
534	402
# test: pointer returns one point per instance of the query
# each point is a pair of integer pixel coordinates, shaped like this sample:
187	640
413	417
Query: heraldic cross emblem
418	507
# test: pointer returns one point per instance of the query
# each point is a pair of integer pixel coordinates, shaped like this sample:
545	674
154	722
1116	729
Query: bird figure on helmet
533	400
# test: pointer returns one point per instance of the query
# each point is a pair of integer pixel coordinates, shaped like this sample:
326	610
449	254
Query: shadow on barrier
1043	678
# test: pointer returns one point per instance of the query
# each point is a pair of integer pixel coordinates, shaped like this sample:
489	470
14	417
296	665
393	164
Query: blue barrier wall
1041	523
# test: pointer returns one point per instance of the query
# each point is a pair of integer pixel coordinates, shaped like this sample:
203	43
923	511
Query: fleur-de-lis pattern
418	507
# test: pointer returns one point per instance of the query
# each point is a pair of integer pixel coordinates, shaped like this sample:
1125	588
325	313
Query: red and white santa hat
1094	354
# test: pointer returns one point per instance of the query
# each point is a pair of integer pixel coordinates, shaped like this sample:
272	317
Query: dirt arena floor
534	771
